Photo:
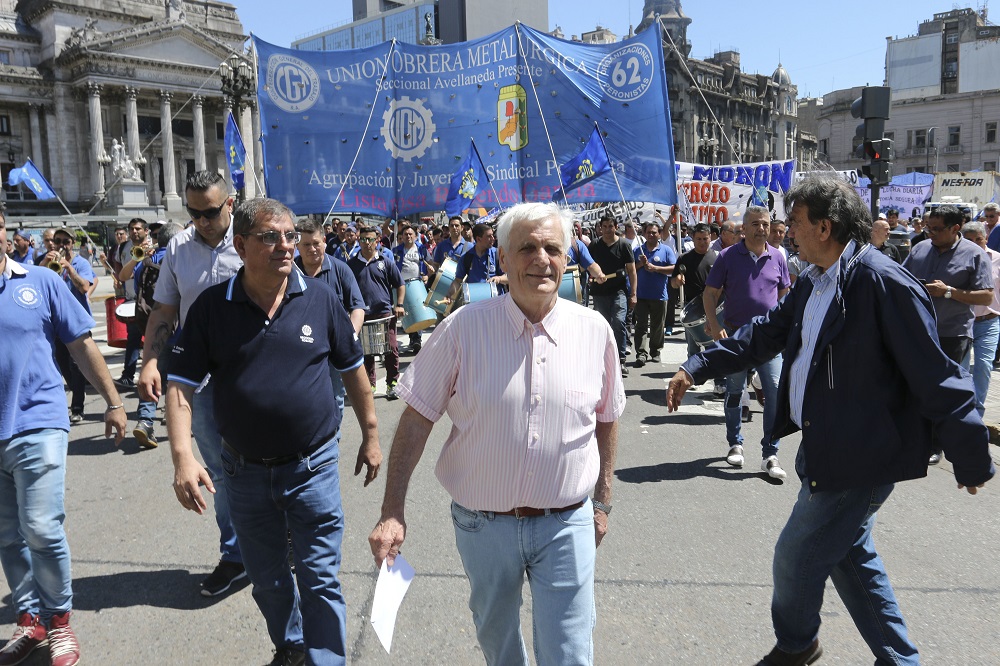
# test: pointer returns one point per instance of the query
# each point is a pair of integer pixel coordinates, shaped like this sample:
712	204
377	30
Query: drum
693	320
417	316
126	312
442	284
375	337
117	330
479	291
569	288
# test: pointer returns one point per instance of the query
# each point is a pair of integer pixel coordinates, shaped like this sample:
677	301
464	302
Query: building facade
137	79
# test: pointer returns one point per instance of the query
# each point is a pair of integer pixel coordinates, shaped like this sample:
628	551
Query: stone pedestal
128	199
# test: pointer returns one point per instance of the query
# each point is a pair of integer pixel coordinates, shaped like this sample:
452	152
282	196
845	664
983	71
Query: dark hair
437	231
827	198
367	230
455	217
252	211
202	181
652	223
138	220
480	229
166	232
307	226
607	218
950	215
714	229
701	228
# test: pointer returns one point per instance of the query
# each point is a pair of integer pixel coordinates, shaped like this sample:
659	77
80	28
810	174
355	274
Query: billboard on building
913	66
978	65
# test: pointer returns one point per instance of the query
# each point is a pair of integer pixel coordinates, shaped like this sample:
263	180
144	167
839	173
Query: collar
816	274
743	249
326	266
13	268
549	324
360	256
226	240
296	284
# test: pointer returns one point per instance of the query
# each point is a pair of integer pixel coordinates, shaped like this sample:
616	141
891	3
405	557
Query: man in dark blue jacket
858	337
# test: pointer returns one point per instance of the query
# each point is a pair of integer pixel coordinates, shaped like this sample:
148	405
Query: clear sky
824	46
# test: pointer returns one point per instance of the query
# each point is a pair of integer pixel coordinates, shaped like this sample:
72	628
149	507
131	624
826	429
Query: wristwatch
947	293
606	508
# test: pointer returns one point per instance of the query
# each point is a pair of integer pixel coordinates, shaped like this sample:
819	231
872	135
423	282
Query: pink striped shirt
524	401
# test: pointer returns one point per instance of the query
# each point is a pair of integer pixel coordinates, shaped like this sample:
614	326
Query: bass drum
417	316
693	320
442	284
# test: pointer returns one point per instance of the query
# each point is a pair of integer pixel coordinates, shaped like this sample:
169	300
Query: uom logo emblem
292	84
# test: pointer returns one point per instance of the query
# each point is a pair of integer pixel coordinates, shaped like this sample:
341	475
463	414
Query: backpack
144	291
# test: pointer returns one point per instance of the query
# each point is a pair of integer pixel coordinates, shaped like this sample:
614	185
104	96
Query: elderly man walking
534	434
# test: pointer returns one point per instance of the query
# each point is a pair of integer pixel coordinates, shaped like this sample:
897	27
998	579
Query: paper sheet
389	592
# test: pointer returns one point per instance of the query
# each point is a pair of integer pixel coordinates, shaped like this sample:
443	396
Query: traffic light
873	108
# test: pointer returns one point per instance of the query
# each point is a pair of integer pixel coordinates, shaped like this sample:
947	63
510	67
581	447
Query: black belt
279	460
532	512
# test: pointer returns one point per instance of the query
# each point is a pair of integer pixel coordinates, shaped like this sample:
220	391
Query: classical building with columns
90	84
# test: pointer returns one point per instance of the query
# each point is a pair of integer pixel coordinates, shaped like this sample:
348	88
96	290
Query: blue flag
589	164
33	178
236	154
470	178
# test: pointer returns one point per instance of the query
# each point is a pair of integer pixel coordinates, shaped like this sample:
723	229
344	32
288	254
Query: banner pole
615	175
488	179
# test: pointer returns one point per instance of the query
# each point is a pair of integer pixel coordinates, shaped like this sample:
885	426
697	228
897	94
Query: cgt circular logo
292	84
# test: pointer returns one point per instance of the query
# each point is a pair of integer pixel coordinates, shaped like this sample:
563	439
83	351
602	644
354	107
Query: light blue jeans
985	335
33	548
769	374
206	435
829	535
557	553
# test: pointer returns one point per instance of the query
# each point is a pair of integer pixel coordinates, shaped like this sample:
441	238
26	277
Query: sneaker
63	648
668	332
414	349
735	457
719	390
781	658
655	358
390	392
28	635
288	657
773	469
125	383
143	434
935	458
76	417
220	580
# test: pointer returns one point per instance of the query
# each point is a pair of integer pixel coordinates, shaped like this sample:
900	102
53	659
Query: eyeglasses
272	237
368	240
209	214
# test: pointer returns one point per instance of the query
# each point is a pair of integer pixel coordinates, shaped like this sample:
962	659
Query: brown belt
532	512
987	317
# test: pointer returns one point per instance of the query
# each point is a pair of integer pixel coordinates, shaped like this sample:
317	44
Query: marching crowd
223	306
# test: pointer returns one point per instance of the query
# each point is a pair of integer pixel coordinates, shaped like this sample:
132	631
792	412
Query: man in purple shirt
754	277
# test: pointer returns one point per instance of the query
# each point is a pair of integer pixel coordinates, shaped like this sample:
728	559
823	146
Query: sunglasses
271	238
368	240
209	214
62	241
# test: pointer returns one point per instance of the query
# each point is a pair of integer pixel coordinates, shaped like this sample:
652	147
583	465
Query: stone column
246	131
258	147
36	137
52	145
131	123
171	201
197	102
96	138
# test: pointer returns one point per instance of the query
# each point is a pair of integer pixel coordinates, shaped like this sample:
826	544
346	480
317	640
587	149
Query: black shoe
640	359
125	383
746	416
220	580
808	656
143	434
288	657
935	458
414	349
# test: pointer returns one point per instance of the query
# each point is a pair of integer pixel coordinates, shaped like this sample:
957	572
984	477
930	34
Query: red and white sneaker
28	635
63	648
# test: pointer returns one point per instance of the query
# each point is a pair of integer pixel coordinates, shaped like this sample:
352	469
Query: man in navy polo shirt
377	278
654	262
454	246
36	311
270	324
754	277
479	265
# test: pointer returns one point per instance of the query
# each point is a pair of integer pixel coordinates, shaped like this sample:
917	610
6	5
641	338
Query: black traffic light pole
873	108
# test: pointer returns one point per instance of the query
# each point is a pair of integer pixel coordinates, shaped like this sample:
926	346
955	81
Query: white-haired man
534	433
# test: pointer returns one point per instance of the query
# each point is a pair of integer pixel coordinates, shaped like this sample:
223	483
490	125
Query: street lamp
928	140
238	81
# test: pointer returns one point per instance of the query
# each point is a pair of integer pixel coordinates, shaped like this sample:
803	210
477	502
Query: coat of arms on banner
512	117
470	186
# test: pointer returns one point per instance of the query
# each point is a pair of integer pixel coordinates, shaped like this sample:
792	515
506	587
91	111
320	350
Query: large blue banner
387	126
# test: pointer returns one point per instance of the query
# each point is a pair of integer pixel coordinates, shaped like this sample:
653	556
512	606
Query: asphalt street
684	576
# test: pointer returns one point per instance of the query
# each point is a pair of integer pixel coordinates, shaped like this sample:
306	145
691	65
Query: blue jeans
301	497
829	535
209	441
985	335
133	347
33	548
769	374
557	553
613	308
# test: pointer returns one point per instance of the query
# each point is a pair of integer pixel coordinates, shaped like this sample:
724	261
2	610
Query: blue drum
479	291
416	315
437	298
569	288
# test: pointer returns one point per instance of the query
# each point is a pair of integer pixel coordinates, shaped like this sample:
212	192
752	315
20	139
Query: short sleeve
717	276
611	404
189	359
166	290
429	382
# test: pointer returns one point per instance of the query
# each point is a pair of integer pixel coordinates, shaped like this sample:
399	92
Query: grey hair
991	206
833	199
253	211
166	232
534	213
757	210
974	228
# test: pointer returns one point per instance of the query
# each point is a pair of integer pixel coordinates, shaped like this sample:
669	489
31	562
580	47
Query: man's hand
188	476
149	381
600	526
632	301
370	456
936	288
601	279
399	311
678	386
717	333
117	420
387	539
971	489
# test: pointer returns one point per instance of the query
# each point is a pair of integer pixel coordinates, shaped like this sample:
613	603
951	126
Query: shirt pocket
579	418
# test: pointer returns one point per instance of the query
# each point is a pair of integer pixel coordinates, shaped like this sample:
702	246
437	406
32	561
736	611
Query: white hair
534	213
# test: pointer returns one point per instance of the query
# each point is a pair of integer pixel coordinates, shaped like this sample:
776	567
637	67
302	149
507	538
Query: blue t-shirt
653	286
481	268
377	279
579	255
84	270
271	374
445	248
339	277
35	310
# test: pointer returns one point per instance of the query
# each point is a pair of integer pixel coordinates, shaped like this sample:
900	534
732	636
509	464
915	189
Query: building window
916	138
5	125
824	146
989	166
220	132
953	167
951	39
991	132
954	136
5	57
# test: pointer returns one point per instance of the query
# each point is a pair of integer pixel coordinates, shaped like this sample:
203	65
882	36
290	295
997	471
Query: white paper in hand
389	592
